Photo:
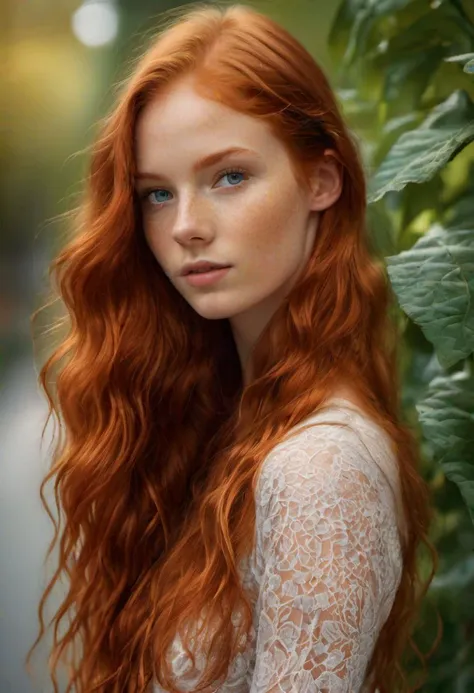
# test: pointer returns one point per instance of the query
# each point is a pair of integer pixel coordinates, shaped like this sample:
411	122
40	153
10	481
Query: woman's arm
331	559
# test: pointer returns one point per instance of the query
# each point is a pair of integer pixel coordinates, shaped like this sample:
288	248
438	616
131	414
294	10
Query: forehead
181	119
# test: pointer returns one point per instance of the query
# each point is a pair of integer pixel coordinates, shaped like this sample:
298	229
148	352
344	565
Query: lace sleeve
330	560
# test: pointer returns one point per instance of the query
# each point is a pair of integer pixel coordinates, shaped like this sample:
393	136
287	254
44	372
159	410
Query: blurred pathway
25	528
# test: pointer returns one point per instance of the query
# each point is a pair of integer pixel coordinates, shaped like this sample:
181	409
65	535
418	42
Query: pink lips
206	278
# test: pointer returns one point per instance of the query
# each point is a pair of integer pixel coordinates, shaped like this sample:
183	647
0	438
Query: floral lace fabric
327	560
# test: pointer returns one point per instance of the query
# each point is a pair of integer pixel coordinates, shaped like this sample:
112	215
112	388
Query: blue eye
227	174
161	193
157	201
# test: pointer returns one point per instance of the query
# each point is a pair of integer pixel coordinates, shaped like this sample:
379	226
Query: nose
193	218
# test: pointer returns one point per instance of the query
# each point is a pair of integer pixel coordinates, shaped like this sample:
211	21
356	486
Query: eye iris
234	173
154	196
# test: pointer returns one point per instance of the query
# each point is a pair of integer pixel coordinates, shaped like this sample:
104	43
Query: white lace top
326	563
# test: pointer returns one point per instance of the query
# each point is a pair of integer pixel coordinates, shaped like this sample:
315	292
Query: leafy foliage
420	153
406	85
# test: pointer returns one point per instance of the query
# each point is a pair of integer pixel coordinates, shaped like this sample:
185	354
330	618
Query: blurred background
63	61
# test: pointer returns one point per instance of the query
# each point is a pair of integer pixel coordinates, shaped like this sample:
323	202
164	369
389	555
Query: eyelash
145	194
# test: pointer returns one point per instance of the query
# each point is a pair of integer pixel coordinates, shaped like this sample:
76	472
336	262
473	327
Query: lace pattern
327	560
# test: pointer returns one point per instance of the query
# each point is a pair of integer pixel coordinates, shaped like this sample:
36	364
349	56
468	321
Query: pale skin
259	220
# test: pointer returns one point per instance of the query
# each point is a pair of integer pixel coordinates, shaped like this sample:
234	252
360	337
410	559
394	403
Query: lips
200	279
206	269
201	268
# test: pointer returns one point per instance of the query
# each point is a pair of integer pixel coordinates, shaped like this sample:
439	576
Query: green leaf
458	577
434	284
342	22
359	16
420	153
350	9
421	198
459	210
459	58
408	76
446	416
469	67
399	122
384	7
462	473
438	26
466	58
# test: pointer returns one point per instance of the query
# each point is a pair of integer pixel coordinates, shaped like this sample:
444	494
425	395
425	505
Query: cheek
272	223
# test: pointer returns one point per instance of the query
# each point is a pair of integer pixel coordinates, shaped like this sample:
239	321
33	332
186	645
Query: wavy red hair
163	443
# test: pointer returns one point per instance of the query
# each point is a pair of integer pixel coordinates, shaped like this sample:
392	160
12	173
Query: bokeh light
95	22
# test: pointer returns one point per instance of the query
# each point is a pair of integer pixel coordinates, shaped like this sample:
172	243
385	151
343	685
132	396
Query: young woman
241	498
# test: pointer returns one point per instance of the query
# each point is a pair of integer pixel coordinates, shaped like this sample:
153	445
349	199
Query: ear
326	181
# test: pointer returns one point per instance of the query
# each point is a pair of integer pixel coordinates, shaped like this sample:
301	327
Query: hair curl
163	441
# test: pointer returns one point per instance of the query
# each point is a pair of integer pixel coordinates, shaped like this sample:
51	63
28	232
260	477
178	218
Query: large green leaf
408	75
420	153
391	131
437	26
447	418
434	284
358	16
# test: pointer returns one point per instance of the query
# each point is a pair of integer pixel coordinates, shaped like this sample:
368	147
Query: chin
211	313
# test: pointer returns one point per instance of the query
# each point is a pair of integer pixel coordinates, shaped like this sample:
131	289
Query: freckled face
246	210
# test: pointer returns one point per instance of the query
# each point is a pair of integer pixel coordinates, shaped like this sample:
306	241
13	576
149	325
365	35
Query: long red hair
155	476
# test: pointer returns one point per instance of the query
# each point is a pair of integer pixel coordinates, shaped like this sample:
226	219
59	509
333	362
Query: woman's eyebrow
206	161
